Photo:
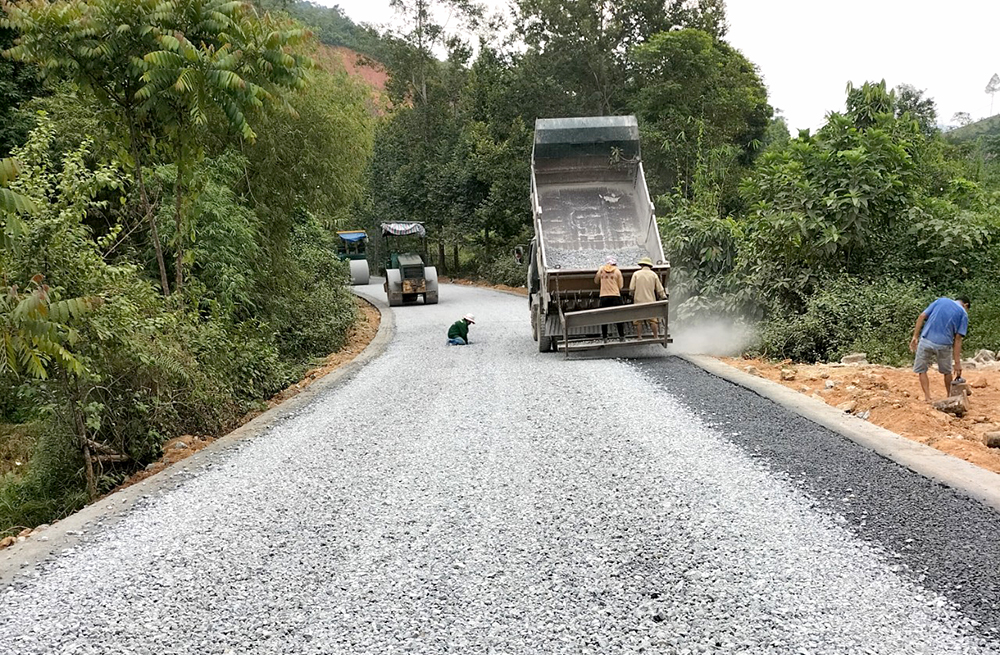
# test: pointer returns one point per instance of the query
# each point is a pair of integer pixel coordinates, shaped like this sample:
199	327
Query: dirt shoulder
893	400
358	338
521	291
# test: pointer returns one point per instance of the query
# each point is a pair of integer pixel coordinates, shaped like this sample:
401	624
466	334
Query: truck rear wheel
544	340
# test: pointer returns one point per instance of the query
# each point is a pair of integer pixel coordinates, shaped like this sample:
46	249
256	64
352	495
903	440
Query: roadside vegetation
168	196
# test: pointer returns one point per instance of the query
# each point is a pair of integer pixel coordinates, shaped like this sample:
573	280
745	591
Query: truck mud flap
572	322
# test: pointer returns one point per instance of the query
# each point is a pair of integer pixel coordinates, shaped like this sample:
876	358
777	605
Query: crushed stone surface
592	259
947	542
480	499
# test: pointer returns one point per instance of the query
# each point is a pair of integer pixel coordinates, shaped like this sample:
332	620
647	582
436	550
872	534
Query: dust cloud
712	336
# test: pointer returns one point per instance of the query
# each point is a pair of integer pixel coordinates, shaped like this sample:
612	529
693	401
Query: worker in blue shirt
937	338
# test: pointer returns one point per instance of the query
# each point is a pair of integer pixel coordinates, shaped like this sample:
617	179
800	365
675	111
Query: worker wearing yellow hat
646	287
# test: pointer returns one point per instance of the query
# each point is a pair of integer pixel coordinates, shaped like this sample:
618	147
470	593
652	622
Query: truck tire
431	298
543	339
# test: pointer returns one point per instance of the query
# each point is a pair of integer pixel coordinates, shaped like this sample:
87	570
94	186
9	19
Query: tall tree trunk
455	253
179	226
441	260
72	387
147	209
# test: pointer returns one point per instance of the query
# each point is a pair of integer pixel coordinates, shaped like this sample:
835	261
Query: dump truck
353	249
590	201
406	276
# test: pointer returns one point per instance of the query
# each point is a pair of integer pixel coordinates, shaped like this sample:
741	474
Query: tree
96	45
833	202
213	56
693	94
869	103
962	118
992	88
162	69
911	102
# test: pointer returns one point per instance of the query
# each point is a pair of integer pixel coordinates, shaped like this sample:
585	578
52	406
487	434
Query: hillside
986	127
357	66
334	28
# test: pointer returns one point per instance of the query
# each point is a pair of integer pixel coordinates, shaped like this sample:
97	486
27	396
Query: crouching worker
458	333
646	287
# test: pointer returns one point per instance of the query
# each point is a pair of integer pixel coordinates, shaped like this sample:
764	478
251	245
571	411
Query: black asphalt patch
945	541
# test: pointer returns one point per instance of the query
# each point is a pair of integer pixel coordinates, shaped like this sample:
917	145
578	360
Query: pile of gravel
592	259
480	499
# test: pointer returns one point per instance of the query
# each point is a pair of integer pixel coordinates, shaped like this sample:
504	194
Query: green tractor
406	276
353	244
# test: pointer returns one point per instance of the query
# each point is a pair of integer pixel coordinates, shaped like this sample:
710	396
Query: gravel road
485	499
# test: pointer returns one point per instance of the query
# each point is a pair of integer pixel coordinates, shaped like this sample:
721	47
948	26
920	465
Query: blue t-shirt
945	319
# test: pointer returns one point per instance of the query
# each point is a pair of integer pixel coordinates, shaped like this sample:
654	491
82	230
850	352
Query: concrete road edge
956	473
69	532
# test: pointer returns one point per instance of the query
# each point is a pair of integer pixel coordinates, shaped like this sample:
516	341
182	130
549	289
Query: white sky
808	50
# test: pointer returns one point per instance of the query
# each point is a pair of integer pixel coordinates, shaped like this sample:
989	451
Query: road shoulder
958	474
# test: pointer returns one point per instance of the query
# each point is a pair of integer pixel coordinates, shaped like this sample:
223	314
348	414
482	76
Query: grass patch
17	443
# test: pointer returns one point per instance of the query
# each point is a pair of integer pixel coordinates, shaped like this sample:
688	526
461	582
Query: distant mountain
986	127
332	27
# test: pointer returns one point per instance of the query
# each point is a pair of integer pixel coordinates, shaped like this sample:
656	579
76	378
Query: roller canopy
558	138
353	235
403	229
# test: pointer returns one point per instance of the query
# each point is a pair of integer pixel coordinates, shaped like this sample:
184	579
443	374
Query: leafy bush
846	315
984	314
503	270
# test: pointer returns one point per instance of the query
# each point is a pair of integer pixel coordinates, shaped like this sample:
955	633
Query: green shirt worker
458	333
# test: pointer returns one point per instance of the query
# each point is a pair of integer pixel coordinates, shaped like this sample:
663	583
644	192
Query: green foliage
912	104
848	234
694	94
504	269
33	331
18	85
50	489
325	176
317	309
213	55
845	315
332	26
11	202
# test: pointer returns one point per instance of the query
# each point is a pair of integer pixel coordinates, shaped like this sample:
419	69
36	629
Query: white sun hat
470	318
